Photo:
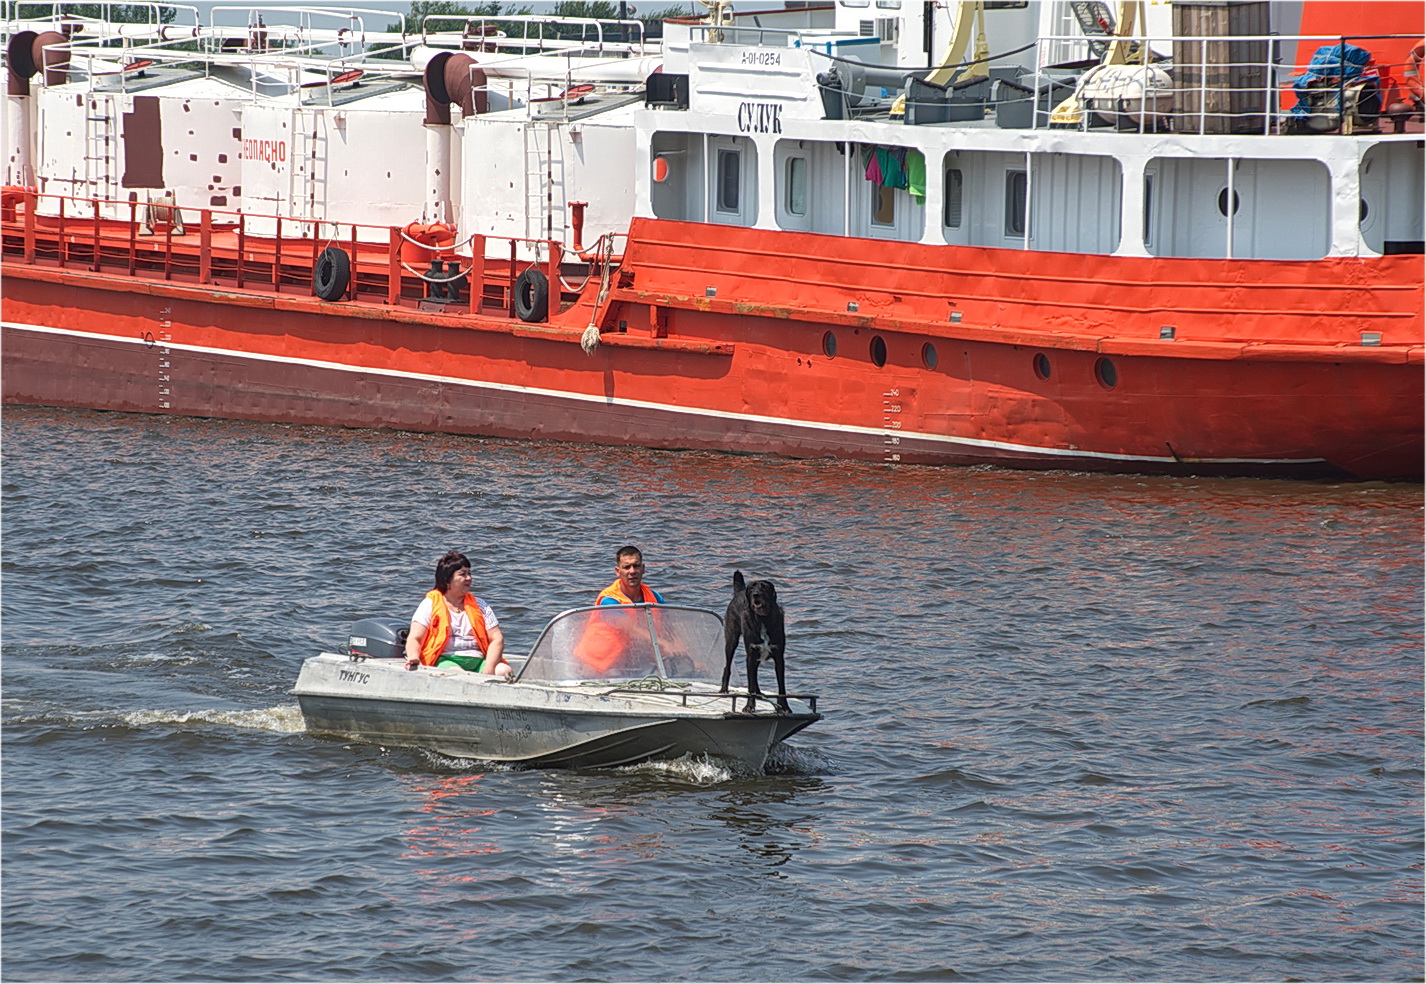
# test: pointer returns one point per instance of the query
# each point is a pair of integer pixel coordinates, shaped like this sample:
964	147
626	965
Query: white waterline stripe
976	442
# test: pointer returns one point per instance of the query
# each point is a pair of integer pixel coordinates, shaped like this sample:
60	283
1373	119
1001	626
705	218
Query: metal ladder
302	176
99	146
539	179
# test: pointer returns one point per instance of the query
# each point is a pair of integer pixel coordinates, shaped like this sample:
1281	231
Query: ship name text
759	118
264	150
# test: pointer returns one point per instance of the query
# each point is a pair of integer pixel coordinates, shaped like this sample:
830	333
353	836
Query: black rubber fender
332	274
532	296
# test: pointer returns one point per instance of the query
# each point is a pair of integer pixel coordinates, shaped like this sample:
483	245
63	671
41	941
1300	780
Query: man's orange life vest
440	627
616	592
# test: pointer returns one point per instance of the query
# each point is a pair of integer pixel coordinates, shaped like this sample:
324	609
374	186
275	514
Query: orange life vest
602	645
617	593
440	628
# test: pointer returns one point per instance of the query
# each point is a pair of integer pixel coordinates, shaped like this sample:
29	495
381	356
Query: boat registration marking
353	676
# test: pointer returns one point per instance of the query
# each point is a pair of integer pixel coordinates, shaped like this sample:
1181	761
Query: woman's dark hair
447	566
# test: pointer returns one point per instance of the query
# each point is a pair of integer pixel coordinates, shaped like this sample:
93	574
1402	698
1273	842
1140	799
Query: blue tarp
1330	63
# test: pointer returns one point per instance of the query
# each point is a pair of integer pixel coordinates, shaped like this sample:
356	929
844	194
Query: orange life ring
1412	82
10	198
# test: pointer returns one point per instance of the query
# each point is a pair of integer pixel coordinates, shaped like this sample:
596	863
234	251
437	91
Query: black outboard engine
380	638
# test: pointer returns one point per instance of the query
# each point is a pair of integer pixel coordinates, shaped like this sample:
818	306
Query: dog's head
762	598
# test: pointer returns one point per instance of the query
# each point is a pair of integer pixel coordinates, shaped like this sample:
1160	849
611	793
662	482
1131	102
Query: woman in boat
452	628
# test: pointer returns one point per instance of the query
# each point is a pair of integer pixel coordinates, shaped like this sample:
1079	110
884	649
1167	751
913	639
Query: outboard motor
379	638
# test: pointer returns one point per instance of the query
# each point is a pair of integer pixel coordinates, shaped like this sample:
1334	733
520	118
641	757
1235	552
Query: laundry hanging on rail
896	167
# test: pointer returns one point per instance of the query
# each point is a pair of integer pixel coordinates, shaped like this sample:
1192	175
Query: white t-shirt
462	638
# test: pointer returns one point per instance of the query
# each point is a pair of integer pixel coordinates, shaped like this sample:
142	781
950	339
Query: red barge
1038	275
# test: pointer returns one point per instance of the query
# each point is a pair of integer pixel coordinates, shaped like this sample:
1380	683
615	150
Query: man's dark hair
629	551
447	566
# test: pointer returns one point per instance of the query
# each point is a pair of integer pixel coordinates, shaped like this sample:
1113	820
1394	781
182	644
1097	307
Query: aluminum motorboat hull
469	715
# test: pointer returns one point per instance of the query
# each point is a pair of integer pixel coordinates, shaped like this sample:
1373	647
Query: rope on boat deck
652	682
589	341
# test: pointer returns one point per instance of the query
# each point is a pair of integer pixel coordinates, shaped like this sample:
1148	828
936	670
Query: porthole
829	345
878	350
1223	202
1106	374
1042	365
1362	210
928	356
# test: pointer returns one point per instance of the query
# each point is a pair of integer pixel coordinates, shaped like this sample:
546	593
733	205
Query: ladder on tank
99	147
303	180
539	179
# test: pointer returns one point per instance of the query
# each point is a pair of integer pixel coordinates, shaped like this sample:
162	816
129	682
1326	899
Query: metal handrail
732	695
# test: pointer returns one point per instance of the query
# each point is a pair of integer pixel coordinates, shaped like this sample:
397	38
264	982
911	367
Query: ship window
883	206
829	344
1149	211
1016	184
955	181
1042	365
797	185
729	169
928	356
1223	202
1106	374
878	350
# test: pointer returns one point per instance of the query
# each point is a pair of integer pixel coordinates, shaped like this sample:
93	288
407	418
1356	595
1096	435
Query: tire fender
332	274
532	296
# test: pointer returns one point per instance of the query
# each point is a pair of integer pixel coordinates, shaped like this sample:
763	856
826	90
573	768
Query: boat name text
762	58
353	675
759	118
264	150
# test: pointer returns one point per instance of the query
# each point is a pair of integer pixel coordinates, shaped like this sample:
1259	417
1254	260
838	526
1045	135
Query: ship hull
713	380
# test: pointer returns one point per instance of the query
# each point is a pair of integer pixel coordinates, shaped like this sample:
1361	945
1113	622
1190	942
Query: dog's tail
738	583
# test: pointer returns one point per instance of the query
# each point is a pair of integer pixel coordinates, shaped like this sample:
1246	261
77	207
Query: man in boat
452	628
629	587
609	643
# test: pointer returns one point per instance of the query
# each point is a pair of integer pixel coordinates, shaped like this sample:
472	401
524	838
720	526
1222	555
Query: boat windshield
628	642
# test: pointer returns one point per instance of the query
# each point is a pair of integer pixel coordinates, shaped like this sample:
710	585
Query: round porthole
1042	365
1106	374
928	356
1362	210
878	350
1223	202
829	345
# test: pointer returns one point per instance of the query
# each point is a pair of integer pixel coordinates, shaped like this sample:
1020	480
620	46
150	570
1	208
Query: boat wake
283	719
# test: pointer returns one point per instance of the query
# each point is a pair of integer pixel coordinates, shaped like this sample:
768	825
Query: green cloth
916	176
450	660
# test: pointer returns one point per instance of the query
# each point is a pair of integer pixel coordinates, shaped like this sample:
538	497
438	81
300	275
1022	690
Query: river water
1078	727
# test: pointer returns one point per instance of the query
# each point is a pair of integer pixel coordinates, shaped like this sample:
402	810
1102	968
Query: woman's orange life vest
440	628
617	593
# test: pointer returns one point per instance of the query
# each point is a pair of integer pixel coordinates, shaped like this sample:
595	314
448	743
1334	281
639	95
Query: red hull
1262	377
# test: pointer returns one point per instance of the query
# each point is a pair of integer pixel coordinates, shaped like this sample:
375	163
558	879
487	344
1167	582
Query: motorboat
602	686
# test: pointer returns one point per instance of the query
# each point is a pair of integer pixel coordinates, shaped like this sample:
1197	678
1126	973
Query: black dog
755	616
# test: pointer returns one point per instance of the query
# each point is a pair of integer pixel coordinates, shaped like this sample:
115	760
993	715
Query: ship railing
1203	84
163	242
755	36
540	34
105	19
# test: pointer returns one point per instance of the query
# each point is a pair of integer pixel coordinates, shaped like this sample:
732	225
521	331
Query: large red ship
1105	243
